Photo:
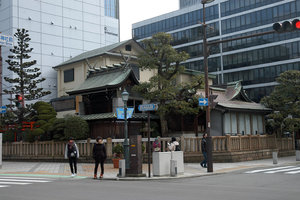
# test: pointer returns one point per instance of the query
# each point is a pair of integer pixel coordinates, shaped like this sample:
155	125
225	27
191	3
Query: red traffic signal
20	97
287	26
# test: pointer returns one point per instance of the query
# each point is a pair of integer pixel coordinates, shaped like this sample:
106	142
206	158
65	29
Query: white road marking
264	170
13	183
293	172
282	170
24	180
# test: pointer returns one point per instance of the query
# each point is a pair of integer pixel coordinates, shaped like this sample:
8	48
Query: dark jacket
203	145
99	152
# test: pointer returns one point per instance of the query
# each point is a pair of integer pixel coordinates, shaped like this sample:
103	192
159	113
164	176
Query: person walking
99	154
72	153
204	151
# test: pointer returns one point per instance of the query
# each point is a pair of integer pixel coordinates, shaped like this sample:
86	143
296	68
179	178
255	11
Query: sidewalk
86	170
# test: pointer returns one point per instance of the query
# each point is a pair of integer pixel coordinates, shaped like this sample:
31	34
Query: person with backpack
174	146
99	154
204	151
72	153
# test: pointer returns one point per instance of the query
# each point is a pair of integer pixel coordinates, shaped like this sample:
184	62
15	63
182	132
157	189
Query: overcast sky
132	11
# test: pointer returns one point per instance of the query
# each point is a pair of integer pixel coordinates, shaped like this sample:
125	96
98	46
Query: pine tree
25	77
161	57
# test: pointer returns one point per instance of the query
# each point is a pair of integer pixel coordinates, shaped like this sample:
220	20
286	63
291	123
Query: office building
257	61
59	30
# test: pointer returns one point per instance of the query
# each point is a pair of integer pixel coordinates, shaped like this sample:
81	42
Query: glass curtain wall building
257	61
59	30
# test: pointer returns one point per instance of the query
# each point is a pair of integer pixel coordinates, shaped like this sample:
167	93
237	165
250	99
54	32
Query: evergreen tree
25	78
161	57
285	102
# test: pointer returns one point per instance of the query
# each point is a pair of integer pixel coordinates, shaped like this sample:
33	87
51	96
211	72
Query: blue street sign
120	113
148	107
3	109
203	102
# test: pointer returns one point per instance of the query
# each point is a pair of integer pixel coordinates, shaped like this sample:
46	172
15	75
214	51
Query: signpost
148	108
203	102
3	109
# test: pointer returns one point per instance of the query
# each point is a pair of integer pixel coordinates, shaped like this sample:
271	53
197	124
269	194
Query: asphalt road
232	186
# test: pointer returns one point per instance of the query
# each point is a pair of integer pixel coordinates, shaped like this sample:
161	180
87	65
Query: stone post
240	141
250	142
0	150
21	148
88	146
109	147
52	148
182	143
297	155
228	142
275	157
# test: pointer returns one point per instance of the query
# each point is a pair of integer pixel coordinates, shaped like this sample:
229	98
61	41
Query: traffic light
19	101
287	26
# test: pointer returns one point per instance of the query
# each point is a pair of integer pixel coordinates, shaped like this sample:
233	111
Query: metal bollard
297	155
122	168
173	165
275	157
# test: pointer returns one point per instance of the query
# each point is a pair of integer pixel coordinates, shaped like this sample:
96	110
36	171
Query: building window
69	75
112	8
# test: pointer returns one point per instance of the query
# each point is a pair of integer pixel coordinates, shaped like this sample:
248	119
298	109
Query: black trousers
97	162
73	162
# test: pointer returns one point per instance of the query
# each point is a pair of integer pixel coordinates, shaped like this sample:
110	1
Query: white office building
59	30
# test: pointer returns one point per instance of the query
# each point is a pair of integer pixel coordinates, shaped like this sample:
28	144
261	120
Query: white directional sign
6	40
148	107
203	102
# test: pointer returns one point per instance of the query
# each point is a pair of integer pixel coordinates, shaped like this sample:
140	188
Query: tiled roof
93	53
109	79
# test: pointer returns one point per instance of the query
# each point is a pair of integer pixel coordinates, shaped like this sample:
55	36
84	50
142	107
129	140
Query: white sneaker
73	175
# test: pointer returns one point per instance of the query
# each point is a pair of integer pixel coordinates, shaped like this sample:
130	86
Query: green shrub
118	150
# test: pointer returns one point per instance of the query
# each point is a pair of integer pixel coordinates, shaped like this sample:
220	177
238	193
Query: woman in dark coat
99	154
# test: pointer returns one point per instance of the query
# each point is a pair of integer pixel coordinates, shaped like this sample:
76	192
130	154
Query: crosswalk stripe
264	170
2	186
282	170
13	183
293	172
15	177
24	180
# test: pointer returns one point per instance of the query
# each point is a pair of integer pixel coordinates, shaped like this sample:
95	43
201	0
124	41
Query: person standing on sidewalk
204	151
99	154
72	153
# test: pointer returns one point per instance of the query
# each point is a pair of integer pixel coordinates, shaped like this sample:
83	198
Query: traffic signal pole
277	28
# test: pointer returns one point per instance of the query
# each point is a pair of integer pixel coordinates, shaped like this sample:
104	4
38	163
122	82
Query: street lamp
205	63
125	96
